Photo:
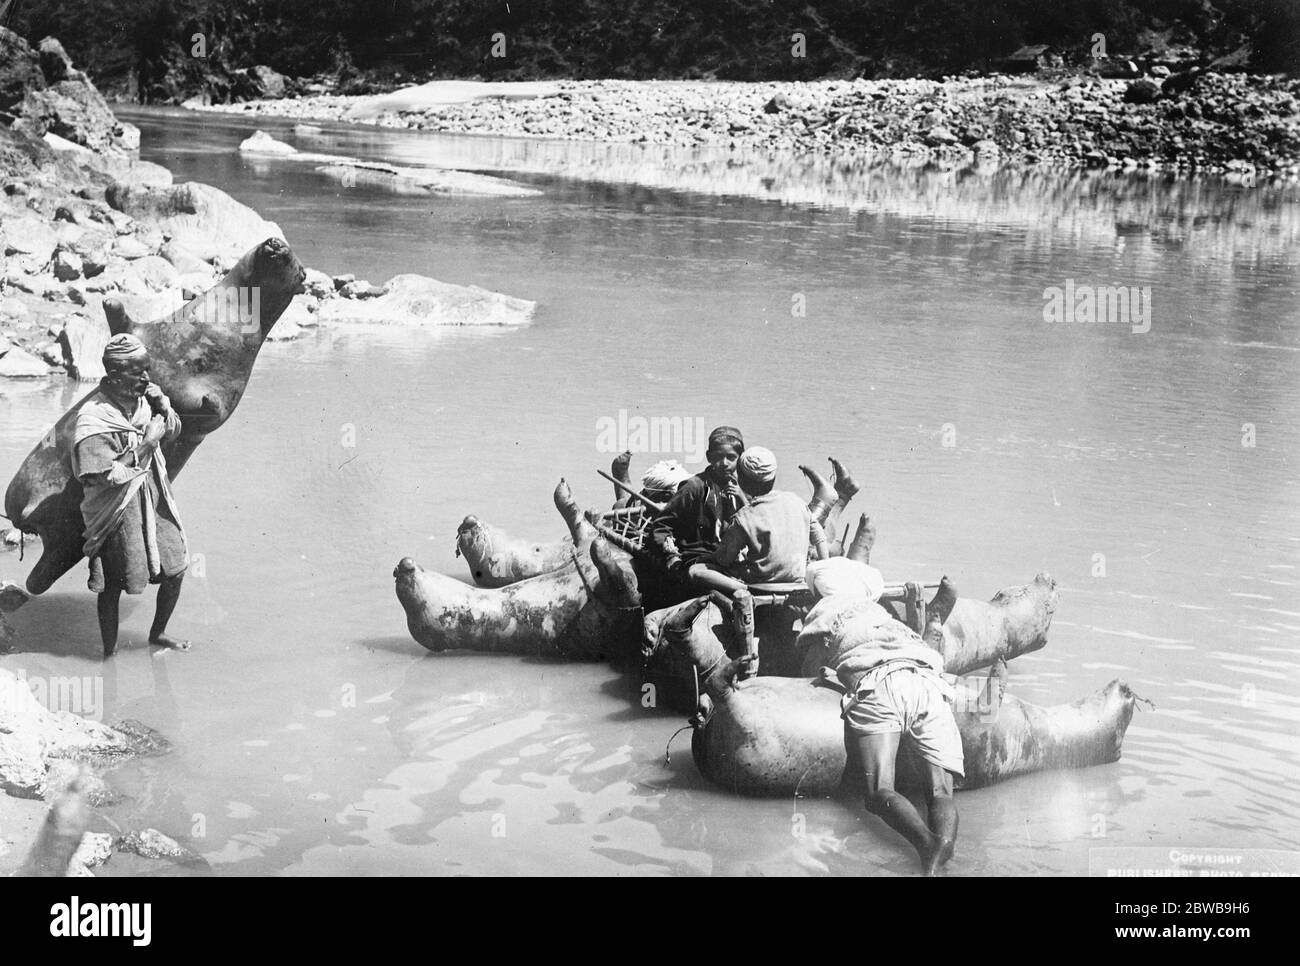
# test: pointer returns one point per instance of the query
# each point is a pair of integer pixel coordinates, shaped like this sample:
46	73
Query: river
891	317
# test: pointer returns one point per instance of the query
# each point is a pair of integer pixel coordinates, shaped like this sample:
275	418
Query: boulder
95	849
193	284
318	284
55	63
12	308
152	844
82	341
1142	91
22	764
93	260
31	736
67	265
37	285
361	289
20	70
262	143
939	136
203	219
184	260
1116	68
130	248
778	103
115	165
270	83
416	300
29	234
297	318
18	363
156	272
74	110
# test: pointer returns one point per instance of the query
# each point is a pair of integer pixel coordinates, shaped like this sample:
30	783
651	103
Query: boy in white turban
133	530
767	541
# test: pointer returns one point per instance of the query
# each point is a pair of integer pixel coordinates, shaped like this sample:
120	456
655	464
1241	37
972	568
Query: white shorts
908	700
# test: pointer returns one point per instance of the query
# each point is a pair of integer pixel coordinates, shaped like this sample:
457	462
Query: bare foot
946	849
166	640
932	857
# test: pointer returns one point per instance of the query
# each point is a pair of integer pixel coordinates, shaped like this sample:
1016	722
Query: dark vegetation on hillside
361	42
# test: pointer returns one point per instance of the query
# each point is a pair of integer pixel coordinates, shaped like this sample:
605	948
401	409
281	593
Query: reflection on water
313	736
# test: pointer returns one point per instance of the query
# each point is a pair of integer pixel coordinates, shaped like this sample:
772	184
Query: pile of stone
1180	120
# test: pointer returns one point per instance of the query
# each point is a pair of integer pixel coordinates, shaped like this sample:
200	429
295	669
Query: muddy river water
891	317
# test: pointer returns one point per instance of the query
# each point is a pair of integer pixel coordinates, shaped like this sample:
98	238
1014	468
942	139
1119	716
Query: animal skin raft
588	597
201	356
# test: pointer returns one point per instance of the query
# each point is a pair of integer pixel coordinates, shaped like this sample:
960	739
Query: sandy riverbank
1186	123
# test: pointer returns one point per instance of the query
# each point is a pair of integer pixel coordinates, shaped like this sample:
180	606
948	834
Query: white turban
840	575
759	464
665	476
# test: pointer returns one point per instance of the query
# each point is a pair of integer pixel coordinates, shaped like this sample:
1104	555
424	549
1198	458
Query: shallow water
314	736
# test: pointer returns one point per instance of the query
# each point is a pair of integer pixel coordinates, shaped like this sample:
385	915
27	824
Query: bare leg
106	604
874	754
169	592
943	818
706	578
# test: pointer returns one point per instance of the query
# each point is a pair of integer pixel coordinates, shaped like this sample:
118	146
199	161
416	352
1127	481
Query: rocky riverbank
1190	122
83	219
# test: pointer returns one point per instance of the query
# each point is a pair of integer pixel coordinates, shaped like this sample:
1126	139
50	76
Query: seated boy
768	541
691	525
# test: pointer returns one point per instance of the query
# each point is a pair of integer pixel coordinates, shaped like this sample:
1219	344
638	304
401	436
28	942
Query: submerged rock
149	843
420	301
82	341
418	181
32	736
95	849
18	363
262	143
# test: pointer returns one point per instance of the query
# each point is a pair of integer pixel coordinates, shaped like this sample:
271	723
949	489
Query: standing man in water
133	530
